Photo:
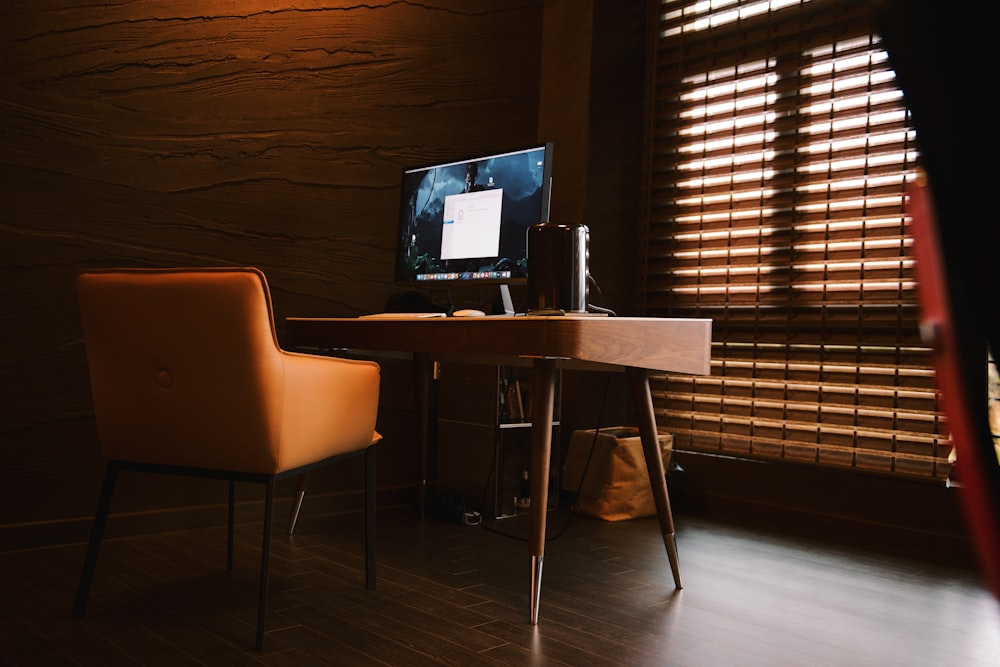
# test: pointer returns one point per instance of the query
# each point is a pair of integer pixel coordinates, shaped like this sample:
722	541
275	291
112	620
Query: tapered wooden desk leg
422	365
543	380
300	493
638	380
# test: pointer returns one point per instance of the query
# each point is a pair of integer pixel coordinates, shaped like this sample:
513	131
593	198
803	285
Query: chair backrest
184	364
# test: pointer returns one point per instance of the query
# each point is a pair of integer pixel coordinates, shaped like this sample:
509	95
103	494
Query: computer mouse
468	312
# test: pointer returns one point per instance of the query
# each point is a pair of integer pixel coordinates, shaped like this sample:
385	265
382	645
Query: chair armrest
330	407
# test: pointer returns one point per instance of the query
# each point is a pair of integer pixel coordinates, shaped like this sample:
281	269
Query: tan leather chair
188	378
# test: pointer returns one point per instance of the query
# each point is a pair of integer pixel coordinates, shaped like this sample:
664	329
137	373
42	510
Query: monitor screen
467	220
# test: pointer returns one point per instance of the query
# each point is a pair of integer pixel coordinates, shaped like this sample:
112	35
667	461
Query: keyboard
402	315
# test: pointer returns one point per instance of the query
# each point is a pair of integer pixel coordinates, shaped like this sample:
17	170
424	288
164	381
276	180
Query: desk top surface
677	345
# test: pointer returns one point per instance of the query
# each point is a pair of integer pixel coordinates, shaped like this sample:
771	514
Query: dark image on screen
467	220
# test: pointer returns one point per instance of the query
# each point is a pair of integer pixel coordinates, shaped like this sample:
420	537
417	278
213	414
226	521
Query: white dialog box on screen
472	224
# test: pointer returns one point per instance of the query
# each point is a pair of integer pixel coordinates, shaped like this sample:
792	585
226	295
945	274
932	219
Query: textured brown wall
210	133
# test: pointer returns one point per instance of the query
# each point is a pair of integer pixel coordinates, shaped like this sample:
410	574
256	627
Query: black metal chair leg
230	528
265	562
370	518
96	535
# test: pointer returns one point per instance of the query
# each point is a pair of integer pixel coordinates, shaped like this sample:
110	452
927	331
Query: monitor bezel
401	222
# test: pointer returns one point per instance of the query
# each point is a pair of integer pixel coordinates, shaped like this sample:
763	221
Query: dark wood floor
458	595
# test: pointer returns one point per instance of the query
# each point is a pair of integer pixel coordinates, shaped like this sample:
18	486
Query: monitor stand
508	303
505	298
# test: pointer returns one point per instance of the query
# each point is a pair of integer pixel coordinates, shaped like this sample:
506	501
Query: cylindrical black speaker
558	257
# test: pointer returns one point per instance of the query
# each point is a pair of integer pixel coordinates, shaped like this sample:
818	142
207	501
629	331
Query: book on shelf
512	400
519	400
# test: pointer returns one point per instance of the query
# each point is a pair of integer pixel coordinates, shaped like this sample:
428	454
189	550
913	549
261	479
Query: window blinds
778	151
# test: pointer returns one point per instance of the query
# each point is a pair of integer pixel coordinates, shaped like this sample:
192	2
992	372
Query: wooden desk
638	345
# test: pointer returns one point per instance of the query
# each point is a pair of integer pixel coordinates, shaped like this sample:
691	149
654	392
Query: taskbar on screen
465	275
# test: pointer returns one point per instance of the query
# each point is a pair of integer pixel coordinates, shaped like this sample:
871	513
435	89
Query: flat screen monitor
467	220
